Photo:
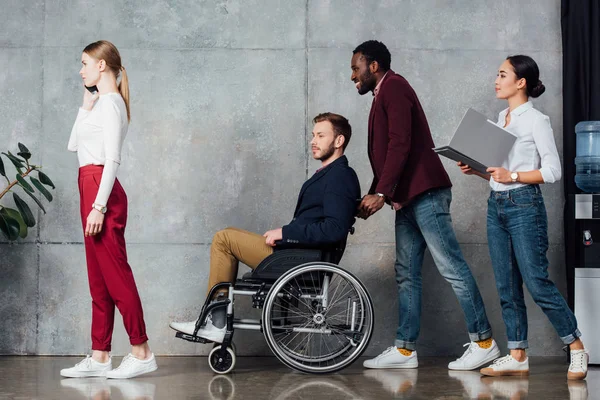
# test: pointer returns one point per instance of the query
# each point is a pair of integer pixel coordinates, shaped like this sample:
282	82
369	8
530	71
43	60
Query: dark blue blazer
326	207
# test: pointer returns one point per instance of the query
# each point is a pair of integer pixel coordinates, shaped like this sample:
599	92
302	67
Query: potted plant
15	222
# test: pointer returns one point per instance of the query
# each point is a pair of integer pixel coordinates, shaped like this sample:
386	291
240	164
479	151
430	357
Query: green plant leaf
24	183
23	148
41	188
15	160
17	216
39	203
9	226
24	155
2	171
45	180
25	211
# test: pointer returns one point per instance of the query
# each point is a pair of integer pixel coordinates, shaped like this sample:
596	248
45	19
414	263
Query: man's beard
327	155
367	83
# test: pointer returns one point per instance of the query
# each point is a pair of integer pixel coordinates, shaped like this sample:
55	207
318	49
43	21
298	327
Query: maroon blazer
400	144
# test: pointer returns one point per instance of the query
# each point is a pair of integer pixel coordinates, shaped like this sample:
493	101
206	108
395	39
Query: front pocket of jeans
523	200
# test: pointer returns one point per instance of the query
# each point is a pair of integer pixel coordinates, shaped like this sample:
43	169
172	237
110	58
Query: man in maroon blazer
408	175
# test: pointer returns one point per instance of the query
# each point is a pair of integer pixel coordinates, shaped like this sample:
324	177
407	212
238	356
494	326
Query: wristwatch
514	176
380	195
100	208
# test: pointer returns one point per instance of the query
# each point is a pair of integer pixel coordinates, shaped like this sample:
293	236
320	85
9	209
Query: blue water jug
587	160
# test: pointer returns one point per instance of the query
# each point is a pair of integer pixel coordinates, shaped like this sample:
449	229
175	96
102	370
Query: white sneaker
475	357
131	367
392	358
87	368
208	331
507	366
579	364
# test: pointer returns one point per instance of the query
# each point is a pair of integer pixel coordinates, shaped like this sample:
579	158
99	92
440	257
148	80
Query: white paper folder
479	143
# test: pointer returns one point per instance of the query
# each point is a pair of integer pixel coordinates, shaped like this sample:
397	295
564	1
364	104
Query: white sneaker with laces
579	364
507	366
392	358
208	331
87	368
475	357
131	367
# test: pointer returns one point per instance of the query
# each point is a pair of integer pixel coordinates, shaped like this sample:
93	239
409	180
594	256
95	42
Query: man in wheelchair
324	215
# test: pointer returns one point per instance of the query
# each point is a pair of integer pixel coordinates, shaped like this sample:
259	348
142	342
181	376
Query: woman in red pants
97	137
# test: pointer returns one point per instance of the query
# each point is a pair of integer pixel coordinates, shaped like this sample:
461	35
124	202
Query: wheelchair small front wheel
221	363
232	345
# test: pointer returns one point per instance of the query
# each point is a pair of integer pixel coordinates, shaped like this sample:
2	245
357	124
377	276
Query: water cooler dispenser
587	223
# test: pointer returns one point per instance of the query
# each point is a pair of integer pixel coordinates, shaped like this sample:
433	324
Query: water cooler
587	224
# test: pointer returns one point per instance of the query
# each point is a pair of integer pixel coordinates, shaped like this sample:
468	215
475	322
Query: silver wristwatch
100	208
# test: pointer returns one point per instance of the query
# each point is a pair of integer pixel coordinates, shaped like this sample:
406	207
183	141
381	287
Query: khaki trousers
230	246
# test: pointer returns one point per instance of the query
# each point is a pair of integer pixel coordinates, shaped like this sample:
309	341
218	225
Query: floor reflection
399	382
261	378
104	389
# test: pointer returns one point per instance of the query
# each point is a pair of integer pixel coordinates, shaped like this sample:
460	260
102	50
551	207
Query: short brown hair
340	124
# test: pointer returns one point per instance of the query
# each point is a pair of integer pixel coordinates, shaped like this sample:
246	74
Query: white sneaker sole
491	372
486	360
576	376
81	374
146	370
392	366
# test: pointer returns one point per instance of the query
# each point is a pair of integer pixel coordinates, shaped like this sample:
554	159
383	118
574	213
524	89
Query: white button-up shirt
534	148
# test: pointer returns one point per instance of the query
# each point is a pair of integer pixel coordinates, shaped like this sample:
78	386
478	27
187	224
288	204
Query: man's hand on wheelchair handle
273	235
370	204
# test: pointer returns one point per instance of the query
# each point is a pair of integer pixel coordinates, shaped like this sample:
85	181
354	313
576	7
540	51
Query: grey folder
479	143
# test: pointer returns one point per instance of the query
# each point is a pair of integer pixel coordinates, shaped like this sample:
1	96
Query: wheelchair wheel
220	364
232	346
318	318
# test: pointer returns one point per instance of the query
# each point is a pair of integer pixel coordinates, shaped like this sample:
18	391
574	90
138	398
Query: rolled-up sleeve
543	137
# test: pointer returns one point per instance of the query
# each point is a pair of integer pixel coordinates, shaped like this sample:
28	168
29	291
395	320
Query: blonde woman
97	137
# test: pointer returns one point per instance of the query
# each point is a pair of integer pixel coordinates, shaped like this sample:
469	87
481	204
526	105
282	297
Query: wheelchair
316	317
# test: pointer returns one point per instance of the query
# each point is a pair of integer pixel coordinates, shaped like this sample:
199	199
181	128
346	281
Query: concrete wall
222	97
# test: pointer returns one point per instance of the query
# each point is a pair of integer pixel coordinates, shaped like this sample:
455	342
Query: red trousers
110	276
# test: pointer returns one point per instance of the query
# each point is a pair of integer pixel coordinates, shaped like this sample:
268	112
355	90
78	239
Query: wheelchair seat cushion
275	265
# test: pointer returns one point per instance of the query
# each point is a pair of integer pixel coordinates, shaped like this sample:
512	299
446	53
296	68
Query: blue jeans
517	229
426	222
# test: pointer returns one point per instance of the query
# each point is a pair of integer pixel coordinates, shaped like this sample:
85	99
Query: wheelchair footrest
191	338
